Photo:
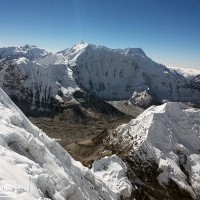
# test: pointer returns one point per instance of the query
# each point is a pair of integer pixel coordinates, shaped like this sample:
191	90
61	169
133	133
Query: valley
82	131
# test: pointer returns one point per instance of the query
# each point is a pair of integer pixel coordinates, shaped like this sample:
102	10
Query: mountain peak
80	45
28	46
82	42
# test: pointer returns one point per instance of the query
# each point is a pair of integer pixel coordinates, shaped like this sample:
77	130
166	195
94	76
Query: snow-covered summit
29	51
80	47
168	135
33	166
115	74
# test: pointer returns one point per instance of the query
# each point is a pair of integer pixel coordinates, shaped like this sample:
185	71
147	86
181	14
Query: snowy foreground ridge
33	166
168	135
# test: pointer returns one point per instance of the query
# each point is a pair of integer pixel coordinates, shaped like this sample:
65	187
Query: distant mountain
111	74
38	84
162	148
30	52
120	74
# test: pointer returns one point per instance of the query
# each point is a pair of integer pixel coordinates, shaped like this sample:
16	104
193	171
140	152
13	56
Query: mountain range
111	74
154	156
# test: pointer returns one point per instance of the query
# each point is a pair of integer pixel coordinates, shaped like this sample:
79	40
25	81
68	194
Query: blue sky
167	30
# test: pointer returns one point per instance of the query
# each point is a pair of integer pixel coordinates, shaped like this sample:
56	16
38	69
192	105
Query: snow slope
52	59
33	166
115	74
168	135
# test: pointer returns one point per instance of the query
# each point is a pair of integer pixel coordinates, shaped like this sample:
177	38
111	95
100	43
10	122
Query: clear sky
167	30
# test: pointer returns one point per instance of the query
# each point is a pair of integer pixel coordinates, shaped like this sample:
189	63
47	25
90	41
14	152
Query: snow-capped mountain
33	166
163	144
111	74
33	75
37	83
29	51
117	74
